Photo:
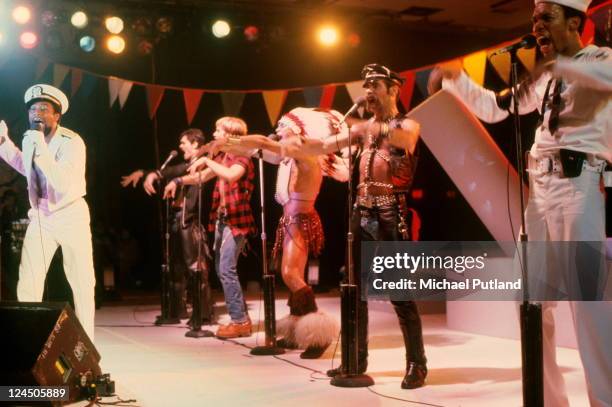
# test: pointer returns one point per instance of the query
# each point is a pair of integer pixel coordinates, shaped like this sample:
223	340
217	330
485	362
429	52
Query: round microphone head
360	100
173	153
529	41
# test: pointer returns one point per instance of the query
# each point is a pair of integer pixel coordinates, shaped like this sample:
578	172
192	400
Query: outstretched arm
9	151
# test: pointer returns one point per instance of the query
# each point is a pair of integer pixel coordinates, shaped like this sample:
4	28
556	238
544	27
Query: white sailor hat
580	5
43	91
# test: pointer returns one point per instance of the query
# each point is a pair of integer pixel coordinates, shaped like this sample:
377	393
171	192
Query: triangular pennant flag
355	90
41	67
155	93
588	34
312	96
501	64
124	92
75	81
421	78
407	88
88	84
327	98
192	99
274	101
474	64
59	74
232	102
113	89
527	57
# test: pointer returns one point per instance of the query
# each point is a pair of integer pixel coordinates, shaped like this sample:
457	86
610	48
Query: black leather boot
416	362
362	339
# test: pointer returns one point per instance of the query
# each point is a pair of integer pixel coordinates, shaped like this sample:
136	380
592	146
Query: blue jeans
227	249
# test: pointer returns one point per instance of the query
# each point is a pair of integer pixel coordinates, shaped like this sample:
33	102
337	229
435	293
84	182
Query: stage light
145	47
164	25
142	26
221	29
79	19
353	39
251	33
28	40
22	15
114	24
328	36
48	18
115	44
87	43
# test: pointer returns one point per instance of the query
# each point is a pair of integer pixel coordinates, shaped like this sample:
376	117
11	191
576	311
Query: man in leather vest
386	169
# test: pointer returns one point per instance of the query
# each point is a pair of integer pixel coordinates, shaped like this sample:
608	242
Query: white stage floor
158	366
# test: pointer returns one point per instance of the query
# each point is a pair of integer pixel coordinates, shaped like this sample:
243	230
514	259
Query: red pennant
407	88
588	34
75	81
192	99
155	93
327	98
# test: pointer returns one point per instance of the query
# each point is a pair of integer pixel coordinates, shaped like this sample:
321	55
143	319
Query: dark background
127	223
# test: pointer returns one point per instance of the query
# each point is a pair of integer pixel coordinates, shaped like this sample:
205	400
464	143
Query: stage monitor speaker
43	343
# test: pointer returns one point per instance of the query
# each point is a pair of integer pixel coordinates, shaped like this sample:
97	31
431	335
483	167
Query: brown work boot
234	330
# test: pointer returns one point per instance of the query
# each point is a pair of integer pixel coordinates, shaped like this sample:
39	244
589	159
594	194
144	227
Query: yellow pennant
474	64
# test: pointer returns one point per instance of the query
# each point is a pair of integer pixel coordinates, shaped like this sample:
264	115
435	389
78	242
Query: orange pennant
274	101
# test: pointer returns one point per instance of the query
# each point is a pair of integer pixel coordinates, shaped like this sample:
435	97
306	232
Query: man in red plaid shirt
231	219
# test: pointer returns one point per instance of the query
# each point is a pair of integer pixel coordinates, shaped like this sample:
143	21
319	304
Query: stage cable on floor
419	403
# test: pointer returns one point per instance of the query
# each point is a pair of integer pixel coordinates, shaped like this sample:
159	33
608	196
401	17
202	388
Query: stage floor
159	366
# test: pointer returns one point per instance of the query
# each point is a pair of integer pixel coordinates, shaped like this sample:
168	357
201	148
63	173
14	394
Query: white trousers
69	228
572	209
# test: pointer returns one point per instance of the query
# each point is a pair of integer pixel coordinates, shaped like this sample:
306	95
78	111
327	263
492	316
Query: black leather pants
374	225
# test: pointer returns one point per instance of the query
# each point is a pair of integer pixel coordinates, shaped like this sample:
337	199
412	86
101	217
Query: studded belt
375	201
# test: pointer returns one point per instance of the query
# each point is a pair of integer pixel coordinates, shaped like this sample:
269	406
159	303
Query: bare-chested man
299	232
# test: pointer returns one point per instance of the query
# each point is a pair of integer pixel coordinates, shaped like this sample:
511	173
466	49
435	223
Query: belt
552	164
375	201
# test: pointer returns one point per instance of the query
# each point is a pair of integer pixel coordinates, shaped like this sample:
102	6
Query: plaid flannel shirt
237	197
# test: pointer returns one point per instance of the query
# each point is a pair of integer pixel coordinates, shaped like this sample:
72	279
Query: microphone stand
349	377
166	292
196	313
270	348
531	313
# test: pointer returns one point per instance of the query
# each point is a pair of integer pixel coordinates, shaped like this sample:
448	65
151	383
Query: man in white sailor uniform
52	158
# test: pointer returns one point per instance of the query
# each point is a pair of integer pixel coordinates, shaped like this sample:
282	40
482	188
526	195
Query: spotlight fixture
28	40
114	24
22	15
353	40
145	47
87	43
221	28
49	19
251	33
79	19
115	44
328	36
142	26
164	25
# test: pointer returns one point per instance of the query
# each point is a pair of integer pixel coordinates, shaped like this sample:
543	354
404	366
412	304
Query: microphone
171	156
274	137
37	124
528	41
358	102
